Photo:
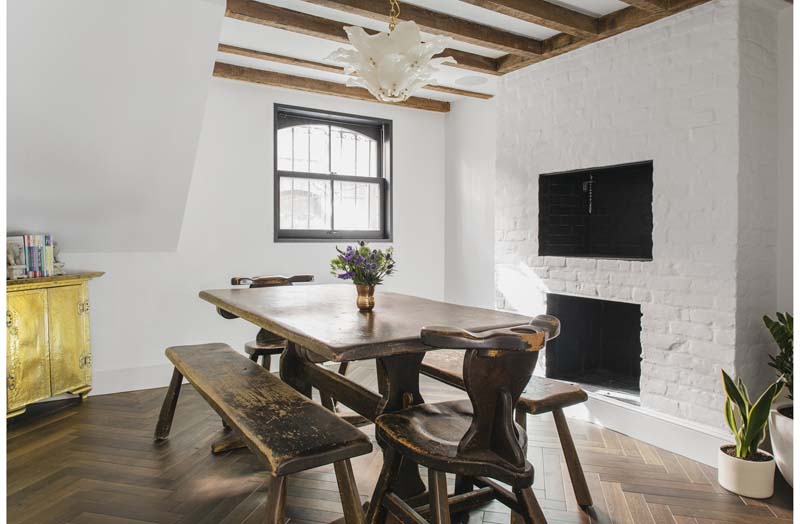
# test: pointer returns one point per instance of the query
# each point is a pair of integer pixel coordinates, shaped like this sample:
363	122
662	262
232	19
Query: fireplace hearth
599	343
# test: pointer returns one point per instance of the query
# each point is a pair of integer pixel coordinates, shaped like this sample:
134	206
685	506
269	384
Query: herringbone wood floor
96	463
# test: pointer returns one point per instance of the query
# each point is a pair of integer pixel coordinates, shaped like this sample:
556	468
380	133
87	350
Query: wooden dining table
321	323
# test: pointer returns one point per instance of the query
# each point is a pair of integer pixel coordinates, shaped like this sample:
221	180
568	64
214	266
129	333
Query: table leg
398	383
292	367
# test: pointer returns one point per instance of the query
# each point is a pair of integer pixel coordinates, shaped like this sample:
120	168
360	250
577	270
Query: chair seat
542	394
430	434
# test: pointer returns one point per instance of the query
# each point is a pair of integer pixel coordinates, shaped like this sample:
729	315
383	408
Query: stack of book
34	252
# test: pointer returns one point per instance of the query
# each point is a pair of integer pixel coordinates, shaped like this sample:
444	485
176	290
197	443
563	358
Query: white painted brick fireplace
692	94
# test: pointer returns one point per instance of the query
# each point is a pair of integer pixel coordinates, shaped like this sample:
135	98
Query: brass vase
366	297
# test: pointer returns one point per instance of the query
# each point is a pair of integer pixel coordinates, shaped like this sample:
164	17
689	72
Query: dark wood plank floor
95	463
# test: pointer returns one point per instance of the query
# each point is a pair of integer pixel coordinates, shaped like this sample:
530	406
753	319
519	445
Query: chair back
497	366
270	281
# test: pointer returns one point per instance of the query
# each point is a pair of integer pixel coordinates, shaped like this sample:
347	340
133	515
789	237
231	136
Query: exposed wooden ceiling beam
456	91
441	24
297	22
271	78
608	25
654	6
320	66
543	13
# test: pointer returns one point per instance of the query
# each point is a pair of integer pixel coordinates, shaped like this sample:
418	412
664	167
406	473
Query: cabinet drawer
27	359
67	319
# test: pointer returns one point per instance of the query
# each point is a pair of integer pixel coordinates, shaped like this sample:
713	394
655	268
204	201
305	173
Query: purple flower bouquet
362	265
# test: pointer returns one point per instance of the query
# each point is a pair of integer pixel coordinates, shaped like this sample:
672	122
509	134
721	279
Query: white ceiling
261	38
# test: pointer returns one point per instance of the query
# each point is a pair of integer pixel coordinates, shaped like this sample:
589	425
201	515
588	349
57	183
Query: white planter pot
747	478
781	435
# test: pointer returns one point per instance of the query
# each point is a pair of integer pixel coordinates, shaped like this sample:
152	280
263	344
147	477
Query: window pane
353	154
319	149
362	155
300	142
373	156
304	149
356	206
305	203
285	149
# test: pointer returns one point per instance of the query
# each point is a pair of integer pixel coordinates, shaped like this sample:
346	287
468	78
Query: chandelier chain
394	13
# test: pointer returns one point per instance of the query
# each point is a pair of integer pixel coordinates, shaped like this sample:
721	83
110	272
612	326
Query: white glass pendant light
393	65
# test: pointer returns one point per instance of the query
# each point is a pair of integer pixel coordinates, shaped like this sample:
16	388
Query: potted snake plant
781	417
743	468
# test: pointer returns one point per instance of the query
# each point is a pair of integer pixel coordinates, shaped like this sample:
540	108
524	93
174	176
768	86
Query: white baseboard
698	442
678	436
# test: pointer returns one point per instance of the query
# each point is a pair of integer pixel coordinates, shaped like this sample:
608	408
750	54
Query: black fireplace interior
599	343
604	212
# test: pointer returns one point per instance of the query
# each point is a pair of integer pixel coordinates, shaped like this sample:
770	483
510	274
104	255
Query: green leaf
745	395
730	417
758	416
733	394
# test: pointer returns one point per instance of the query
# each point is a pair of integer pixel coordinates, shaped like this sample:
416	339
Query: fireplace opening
599	345
603	212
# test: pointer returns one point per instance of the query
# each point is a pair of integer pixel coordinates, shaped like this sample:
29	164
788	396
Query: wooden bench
543	395
287	431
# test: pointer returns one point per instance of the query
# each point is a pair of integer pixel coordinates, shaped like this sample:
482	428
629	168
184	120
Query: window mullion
332	203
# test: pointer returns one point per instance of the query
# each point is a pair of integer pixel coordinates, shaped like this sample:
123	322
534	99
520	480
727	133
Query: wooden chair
266	344
288	432
476	439
543	395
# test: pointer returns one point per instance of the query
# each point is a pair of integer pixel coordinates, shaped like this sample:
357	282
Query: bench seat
286	430
541	396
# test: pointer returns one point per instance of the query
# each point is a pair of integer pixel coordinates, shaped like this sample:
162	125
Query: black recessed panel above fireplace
603	212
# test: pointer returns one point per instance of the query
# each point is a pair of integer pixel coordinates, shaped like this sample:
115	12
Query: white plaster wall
470	129
148	301
785	158
105	104
666	92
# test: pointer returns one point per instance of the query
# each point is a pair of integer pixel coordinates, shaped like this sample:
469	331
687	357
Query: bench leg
348	491
229	441
168	407
582	494
276	501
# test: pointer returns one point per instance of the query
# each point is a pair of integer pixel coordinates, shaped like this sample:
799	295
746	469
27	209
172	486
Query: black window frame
378	128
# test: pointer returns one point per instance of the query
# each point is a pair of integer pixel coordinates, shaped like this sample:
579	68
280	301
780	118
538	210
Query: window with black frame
332	176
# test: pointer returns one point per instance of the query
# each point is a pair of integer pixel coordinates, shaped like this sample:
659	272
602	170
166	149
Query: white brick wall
669	92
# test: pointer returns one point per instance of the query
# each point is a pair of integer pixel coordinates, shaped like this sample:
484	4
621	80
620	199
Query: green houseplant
781	432
743	468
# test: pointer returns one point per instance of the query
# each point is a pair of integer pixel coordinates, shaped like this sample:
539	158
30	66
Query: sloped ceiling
105	105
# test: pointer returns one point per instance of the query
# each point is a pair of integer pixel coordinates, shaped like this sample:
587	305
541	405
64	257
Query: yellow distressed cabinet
48	349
